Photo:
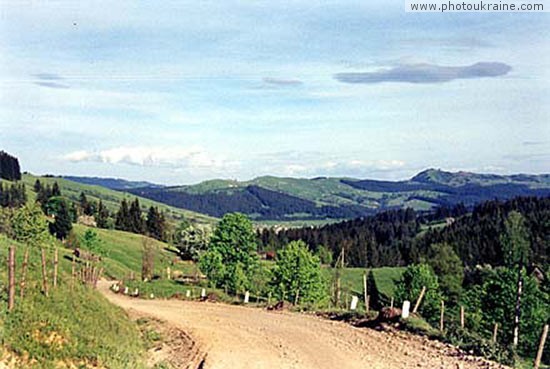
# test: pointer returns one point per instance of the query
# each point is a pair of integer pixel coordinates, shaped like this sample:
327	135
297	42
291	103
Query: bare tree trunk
495	332
518	304
44	274
11	278
462	317
24	273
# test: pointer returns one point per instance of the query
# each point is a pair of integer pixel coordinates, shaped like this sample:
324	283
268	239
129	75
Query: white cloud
173	157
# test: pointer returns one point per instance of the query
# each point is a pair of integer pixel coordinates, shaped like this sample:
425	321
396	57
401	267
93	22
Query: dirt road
235	337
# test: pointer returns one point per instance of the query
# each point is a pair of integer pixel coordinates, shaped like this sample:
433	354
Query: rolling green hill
112	198
294	199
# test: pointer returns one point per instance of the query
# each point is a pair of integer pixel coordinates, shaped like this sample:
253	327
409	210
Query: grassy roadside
74	327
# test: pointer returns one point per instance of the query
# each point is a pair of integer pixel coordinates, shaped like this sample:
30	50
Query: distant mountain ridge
287	199
112	183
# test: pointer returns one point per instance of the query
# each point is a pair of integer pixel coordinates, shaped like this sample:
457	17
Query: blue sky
177	92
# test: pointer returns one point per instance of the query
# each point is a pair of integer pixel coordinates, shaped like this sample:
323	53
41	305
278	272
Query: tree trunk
518	304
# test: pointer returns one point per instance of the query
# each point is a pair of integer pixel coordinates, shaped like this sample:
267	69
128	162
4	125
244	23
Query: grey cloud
50	80
426	73
48	76
51	85
282	82
533	143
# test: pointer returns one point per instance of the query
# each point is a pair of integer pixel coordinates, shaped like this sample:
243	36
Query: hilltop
324	198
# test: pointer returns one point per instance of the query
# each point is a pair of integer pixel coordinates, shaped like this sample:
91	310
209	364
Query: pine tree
155	223
102	215
122	221
55	190
136	223
85	206
62	225
37	186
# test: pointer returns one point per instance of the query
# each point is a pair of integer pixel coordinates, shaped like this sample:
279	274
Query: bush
411	283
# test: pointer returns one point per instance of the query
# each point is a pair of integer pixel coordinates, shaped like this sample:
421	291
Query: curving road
235	337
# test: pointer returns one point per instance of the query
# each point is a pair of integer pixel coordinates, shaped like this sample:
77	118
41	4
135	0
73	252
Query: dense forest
257	202
401	237
9	167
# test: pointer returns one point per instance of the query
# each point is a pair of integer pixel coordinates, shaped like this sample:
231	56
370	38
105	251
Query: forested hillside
401	237
9	167
288	199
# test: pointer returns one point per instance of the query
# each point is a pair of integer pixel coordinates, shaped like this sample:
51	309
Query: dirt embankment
233	337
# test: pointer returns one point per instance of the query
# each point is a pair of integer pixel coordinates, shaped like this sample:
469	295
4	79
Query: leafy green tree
6	215
91	241
62	224
515	240
449	270
496	305
297	274
325	254
191	240
230	260
30	226
409	286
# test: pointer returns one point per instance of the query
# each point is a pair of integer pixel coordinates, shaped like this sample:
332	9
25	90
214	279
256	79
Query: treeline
13	196
477	237
379	240
130	218
9	167
400	237
257	202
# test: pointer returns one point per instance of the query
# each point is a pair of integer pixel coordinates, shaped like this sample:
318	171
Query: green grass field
73	327
112	198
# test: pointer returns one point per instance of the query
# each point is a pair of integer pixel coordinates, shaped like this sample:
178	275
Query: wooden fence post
419	299
73	271
462	317
366	293
495	332
442	316
24	273
541	346
391	303
44	274
11	278
55	263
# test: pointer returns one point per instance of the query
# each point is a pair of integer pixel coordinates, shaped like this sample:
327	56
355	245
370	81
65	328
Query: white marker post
354	302
125	290
188	293
203	293
405	310
246	297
